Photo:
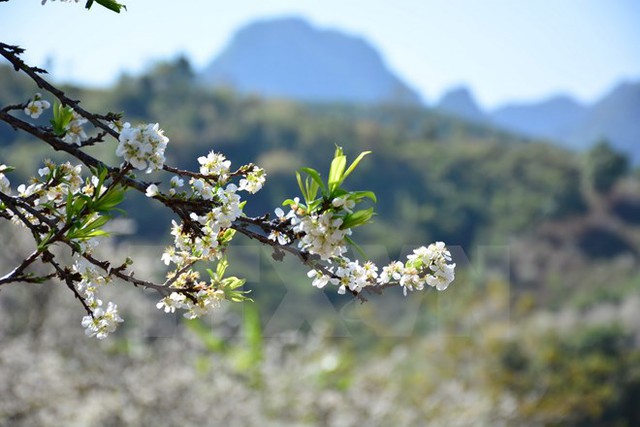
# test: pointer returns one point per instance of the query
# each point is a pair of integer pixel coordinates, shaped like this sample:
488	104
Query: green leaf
109	4
96	223
109	200
95	233
335	172
62	116
69	206
232	282
227	236
45	242
356	247
229	285
357	218
355	164
358	195
86	230
303	190
314	175
221	268
312	188
75	204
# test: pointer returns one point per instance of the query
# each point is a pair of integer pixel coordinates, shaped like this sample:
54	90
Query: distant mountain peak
553	118
290	58
460	102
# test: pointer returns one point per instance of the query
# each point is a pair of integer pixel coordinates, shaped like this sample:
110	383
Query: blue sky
505	50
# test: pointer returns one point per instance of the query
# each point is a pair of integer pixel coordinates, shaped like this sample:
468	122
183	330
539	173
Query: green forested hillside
435	177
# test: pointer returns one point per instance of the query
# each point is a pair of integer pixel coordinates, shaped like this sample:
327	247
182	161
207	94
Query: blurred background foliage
541	326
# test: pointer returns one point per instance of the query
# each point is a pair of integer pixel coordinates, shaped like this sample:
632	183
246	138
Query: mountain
289	58
562	119
460	102
554	118
615	117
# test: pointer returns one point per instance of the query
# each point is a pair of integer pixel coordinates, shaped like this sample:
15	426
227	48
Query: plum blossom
321	234
103	321
143	146
214	164
253	181
5	184
74	132
343	203
36	106
176	181
152	191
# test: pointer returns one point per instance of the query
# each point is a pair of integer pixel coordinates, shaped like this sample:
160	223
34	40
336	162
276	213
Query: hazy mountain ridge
553	118
289	58
615	117
460	102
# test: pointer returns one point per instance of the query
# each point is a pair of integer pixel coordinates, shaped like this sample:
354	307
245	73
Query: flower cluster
48	196
213	225
205	235
188	248
50	192
277	235
321	234
91	281
143	146
102	322
74	133
36	106
253	181
347	275
215	164
427	265
203	299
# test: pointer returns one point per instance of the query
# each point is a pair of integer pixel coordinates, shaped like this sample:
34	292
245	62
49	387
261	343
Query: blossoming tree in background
66	207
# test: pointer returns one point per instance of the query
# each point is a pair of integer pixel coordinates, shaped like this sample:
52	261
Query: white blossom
176	181
103	321
5	185
320	280
170	303
279	236
74	132
143	146
152	190
36	106
391	272
214	164
253	181
321	234
344	203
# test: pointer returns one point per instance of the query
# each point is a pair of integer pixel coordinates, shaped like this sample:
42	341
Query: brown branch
69	279
16	275
12	54
179	206
59	145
